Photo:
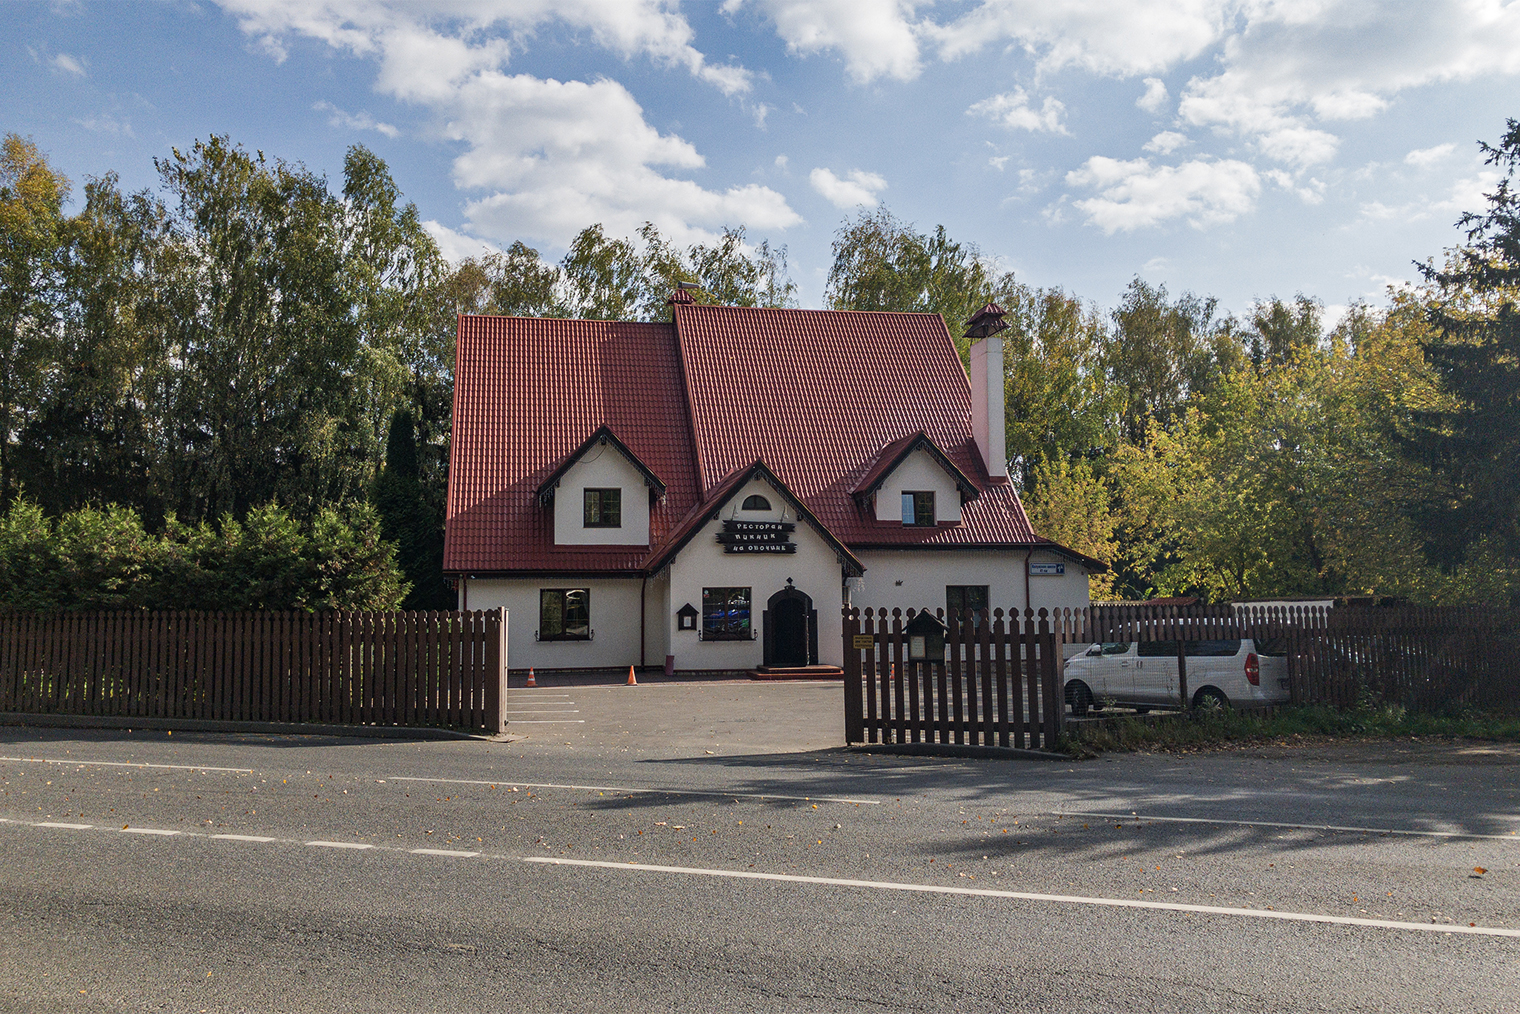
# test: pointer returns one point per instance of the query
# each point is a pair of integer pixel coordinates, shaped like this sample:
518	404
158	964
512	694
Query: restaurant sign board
757	537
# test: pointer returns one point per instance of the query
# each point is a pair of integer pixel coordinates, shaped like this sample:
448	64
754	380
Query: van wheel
1210	699
1142	711
1079	697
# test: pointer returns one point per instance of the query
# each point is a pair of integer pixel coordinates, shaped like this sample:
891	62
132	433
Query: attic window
603	508
756	502
918	508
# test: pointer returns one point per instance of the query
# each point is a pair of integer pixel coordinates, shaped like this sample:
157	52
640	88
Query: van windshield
1115	648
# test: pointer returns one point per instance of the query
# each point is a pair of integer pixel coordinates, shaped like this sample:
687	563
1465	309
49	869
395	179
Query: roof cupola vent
680	296
987	322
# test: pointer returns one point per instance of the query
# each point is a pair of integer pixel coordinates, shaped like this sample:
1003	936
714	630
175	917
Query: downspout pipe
1028	605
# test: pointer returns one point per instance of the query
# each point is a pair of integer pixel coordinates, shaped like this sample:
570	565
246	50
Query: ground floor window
564	614
960	597
726	614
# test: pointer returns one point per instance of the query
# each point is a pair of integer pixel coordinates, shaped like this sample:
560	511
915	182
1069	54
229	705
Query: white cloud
546	157
760	112
1012	110
1312	192
1166	142
1332	60
875	37
1466	195
998	162
106	124
354	121
857	189
1154	99
1135	194
1424	157
69	64
781	162
1104	38
422	48
456	246
1470	194
1300	146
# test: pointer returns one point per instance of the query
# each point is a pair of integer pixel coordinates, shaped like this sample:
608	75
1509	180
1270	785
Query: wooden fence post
496	671
854	723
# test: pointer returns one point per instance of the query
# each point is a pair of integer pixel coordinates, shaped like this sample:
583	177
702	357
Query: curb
275	728
951	750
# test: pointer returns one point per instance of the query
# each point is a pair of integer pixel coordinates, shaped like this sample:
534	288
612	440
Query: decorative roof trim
711	509
895	453
603	435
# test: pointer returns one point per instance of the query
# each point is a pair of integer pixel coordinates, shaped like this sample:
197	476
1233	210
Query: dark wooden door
790	640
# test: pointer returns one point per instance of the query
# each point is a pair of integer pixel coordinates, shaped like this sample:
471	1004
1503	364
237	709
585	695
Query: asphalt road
707	848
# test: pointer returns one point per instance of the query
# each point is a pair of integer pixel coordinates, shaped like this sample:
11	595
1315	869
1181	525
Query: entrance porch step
799	672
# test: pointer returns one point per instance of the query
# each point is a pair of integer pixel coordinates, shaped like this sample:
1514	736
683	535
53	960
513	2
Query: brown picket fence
998	684
431	669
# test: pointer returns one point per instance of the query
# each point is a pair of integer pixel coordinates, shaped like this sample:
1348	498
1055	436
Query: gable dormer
600	494
913	482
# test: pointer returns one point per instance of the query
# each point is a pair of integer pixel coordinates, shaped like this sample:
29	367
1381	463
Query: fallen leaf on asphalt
1479	870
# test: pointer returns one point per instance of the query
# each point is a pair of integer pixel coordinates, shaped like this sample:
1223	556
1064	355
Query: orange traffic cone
632	682
531	681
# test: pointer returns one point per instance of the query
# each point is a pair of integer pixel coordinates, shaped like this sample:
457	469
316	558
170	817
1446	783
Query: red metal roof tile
526	394
817	395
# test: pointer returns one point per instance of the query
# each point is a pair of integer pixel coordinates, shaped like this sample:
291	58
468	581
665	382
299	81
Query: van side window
1158	649
1214	649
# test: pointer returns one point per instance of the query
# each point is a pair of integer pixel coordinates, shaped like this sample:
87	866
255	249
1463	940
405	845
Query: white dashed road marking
340	844
125	764
1511	837
1061	899
147	830
631	791
875	885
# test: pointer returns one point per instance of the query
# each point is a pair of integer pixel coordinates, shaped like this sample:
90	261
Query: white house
706	494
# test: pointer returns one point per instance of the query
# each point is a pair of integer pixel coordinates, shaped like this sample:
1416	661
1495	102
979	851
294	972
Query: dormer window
918	508
755	502
604	508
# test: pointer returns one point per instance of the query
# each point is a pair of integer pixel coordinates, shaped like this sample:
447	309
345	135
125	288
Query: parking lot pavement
686	719
710	847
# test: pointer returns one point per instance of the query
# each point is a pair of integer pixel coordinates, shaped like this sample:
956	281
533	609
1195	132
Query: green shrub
105	559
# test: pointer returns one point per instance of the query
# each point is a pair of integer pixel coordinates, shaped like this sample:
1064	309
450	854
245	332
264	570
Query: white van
1143	675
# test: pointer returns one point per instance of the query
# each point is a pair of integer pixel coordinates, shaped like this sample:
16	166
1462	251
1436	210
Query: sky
1239	149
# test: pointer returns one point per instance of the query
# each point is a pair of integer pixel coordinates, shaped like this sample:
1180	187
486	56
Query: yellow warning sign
865	642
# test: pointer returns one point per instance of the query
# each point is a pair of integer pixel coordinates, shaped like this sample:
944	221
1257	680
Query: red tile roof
819	393
820	396
527	392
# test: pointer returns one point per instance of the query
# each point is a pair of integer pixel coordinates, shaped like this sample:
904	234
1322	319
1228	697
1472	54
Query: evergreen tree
1471	444
410	521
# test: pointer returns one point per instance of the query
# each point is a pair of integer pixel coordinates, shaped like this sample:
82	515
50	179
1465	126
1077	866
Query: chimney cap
987	322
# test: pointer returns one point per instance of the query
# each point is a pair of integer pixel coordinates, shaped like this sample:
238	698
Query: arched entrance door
791	629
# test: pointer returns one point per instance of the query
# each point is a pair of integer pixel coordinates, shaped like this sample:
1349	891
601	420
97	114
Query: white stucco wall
814	570
614	618
603	467
925	573
918	472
